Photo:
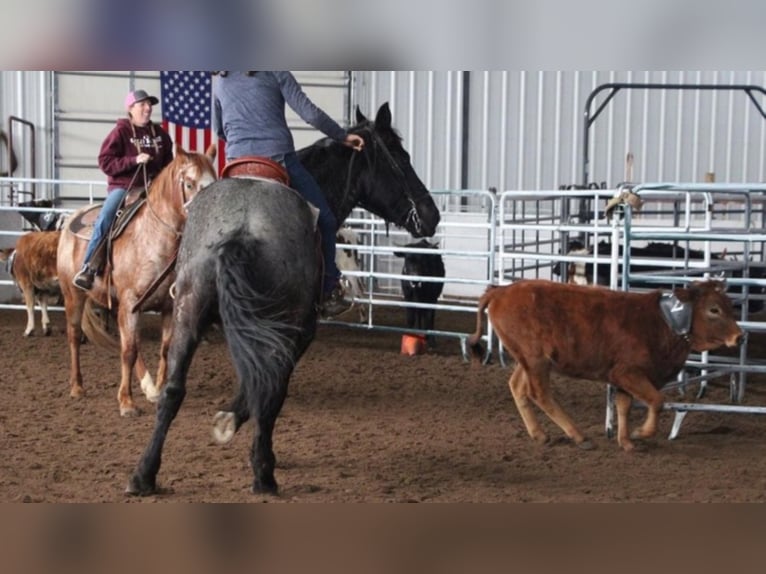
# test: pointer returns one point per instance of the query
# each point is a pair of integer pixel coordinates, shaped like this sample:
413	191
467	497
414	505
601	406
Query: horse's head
389	186
191	171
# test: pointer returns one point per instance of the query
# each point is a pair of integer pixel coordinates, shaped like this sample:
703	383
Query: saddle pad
82	222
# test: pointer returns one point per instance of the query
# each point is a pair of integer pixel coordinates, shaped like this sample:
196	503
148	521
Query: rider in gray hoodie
249	115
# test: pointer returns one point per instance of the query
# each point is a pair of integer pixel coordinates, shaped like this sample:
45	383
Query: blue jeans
303	182
104	220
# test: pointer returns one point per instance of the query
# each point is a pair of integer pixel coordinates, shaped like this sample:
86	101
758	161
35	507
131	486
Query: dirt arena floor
362	423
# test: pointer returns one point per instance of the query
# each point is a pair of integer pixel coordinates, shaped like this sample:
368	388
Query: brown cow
594	333
33	267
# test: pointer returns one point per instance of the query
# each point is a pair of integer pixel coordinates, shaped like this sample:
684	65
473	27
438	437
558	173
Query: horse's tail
260	338
95	321
474	341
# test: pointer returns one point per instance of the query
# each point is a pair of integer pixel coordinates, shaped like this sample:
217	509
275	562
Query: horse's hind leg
226	423
262	456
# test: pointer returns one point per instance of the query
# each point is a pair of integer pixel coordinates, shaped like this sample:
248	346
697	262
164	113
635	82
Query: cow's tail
8	255
95	324
474	341
254	319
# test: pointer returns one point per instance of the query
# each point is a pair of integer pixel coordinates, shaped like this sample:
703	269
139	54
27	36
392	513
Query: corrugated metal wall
466	130
523	130
72	111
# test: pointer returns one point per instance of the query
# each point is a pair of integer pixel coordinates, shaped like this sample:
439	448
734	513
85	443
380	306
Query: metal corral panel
524	130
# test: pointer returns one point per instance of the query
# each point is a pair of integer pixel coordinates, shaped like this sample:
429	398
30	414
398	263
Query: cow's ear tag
677	314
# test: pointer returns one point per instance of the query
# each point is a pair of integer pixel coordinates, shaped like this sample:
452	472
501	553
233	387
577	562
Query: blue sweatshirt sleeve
297	99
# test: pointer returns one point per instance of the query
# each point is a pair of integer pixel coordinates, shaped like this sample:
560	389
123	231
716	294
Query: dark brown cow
597	334
33	267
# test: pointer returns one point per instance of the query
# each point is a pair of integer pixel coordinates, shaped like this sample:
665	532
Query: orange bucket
413	344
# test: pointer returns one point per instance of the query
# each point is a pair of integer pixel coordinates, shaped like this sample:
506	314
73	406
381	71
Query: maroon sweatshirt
117	158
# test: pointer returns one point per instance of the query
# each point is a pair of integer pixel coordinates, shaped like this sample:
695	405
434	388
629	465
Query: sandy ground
362	423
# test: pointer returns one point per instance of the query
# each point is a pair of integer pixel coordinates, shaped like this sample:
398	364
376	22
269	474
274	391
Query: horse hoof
265	487
137	486
129	412
151	393
627	446
541	439
28	333
586	444
153	397
46	332
77	392
224	427
150	389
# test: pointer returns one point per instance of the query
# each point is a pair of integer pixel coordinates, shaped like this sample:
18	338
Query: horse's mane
166	173
323	157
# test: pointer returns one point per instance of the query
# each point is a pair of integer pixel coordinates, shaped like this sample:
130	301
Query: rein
156	283
172	262
344	203
348	200
412	213
177	233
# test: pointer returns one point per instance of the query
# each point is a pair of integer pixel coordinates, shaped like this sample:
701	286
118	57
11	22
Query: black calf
418	291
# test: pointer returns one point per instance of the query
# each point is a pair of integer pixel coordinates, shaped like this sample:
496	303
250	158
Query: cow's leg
430	321
622	402
44	318
540	393
182	347
639	386
29	301
520	390
73	303
412	317
128	324
654	401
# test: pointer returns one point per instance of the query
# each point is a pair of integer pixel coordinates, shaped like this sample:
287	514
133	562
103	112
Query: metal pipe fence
489	238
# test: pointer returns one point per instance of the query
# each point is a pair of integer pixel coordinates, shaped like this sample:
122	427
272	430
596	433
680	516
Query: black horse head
380	179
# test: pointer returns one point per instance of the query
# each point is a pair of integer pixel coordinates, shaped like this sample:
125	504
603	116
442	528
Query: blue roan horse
248	258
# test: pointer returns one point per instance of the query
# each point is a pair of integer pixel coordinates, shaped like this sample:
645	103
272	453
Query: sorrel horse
139	257
249	259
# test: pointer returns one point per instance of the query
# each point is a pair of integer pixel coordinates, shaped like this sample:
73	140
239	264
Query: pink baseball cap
139	96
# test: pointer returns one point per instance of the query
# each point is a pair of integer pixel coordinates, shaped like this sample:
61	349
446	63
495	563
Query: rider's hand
354	141
143	158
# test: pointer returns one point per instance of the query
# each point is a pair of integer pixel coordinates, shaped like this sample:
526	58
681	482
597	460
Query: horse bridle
379	145
183	182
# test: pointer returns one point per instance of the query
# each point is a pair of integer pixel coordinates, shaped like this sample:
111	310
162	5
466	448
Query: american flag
187	103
